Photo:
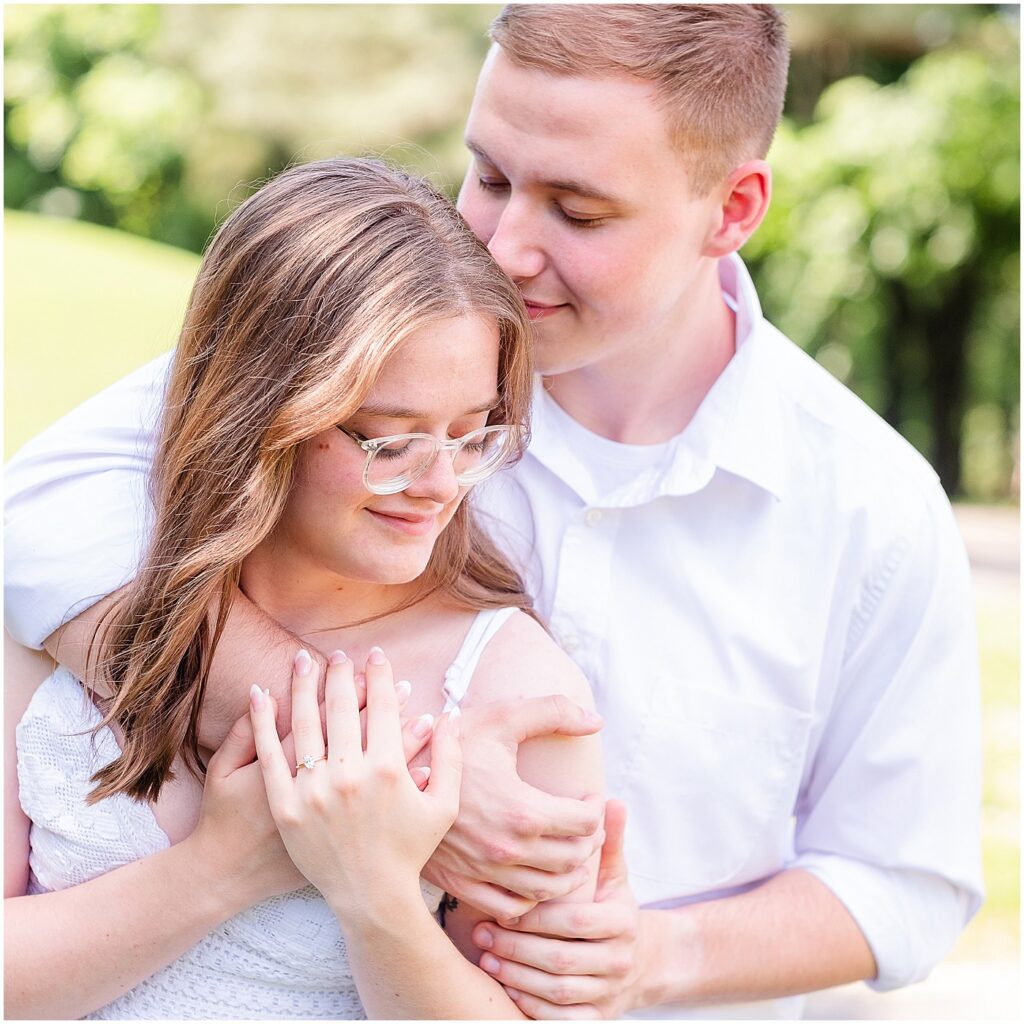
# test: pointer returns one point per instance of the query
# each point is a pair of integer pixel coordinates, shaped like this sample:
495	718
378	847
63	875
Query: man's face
581	196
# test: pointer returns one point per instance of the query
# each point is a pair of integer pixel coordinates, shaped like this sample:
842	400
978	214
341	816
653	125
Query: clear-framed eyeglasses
394	462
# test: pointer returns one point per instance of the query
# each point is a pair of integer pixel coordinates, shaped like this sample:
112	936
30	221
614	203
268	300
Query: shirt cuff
910	919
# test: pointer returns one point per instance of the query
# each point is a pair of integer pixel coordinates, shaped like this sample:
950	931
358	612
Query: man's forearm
787	936
253	648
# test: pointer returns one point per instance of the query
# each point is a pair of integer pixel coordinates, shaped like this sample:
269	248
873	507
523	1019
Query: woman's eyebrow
396	412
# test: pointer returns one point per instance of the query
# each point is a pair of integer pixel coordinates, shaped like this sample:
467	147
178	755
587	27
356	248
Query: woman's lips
411	526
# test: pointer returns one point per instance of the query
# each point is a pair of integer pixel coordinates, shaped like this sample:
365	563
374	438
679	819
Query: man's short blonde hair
720	69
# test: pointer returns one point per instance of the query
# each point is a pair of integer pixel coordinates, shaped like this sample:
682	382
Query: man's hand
513	846
545	967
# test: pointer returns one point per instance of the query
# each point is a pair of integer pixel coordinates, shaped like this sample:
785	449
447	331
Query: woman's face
441	381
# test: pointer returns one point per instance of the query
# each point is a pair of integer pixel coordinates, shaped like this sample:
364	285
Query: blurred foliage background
890	252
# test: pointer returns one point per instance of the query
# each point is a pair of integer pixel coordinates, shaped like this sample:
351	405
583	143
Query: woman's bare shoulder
522	660
24	670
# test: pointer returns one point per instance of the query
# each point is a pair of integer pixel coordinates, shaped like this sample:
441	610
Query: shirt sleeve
890	817
77	513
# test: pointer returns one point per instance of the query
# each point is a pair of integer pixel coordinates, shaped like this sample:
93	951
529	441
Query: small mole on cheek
323	446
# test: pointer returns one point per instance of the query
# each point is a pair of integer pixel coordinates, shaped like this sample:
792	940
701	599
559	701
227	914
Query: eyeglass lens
481	453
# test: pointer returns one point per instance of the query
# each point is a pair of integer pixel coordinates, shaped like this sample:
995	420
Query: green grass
995	932
83	306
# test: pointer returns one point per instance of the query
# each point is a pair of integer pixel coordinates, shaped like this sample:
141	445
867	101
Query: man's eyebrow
580	188
399	412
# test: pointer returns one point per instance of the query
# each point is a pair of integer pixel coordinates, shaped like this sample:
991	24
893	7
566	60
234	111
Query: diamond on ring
309	760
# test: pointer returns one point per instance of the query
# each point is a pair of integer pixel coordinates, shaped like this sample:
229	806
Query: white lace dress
282	958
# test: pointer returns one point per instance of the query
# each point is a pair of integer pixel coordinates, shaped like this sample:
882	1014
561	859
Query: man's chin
554	363
551	356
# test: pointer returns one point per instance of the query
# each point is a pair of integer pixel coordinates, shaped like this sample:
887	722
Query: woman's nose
439	482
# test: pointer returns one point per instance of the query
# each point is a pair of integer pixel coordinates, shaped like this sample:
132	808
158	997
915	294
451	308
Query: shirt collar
748	438
736	429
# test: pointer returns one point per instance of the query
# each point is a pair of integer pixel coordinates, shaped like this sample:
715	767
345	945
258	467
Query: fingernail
303	663
424	772
513	920
513	993
455	720
376	656
490	964
484	938
594	718
402	689
257	698
423	725
338	658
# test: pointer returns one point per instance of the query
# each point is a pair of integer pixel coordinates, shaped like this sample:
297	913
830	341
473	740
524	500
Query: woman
351	363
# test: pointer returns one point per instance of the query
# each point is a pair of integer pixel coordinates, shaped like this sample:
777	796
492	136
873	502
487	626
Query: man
761	580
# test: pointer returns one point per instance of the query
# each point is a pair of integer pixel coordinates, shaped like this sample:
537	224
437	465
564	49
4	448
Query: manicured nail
338	658
490	964
513	993
424	772
403	688
484	938
303	663
455	720
376	656
423	725
257	698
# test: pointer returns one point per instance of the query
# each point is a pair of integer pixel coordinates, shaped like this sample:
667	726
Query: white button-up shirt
777	625
774	615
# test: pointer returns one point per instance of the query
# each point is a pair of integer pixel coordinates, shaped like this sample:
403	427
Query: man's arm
76	522
253	648
887	865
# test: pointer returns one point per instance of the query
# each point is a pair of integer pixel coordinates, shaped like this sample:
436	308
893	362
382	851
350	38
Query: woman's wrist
216	879
398	910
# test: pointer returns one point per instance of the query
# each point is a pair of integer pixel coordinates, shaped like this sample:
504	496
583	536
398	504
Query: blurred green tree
94	129
891	250
147	117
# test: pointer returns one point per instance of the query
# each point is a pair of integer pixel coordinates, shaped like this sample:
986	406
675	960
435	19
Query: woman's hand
354	821
236	833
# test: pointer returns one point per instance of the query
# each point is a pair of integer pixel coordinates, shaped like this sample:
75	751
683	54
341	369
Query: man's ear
745	196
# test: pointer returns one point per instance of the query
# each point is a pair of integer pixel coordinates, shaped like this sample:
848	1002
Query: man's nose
515	242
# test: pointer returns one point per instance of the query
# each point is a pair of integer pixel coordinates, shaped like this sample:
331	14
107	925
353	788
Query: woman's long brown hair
304	293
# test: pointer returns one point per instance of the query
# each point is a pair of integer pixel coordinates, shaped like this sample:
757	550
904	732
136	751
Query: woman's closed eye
393	451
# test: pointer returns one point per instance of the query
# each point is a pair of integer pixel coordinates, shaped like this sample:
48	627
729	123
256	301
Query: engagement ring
309	760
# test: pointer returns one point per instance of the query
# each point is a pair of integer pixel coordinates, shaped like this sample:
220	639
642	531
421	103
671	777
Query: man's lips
408	523
540	310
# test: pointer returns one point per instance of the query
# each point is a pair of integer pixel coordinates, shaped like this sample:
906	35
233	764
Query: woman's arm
521	662
105	936
527	700
361	833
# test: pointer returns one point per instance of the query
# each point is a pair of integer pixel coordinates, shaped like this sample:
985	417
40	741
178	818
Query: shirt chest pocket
710	784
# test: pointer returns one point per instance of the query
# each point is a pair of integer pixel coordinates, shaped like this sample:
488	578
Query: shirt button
593	517
571	643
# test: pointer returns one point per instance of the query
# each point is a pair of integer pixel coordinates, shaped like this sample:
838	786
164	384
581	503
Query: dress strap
460	672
